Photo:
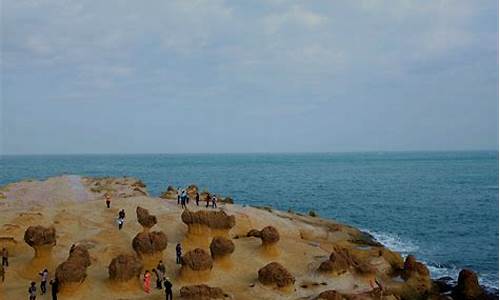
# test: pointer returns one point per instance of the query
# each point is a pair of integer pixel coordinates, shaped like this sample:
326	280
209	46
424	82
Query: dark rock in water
445	284
468	288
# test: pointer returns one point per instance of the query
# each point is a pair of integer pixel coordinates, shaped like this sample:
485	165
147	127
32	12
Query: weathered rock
197	260
211	219
170	193
125	267
330	295
221	246
269	235
139	184
468	287
191	190
201	292
149	243
144	218
74	269
40	236
275	274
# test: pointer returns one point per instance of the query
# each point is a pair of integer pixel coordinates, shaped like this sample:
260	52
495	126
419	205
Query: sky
248	76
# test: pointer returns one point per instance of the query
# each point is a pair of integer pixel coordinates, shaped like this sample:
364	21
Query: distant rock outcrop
211	219
149	243
144	218
73	271
170	193
125	267
221	247
201	292
40	238
468	287
275	274
197	260
269	235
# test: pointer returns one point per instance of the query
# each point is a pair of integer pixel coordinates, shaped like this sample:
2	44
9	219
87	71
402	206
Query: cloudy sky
248	76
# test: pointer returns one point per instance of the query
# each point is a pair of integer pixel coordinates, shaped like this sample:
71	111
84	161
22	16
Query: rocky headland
232	252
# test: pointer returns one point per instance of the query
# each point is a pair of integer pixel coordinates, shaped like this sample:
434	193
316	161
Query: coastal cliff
230	252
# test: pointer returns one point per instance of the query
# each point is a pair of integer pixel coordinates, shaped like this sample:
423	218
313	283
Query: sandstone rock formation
144	218
269	235
211	219
417	282
330	295
275	274
341	261
221	247
149	243
468	287
191	190
201	292
170	193
197	260
40	238
73	271
125	267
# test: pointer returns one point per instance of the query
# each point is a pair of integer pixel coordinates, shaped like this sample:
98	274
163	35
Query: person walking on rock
5	257
178	253
55	288
108	200
168	289
121	219
178	195
147	282
197	199
158	278
214	201
32	291
208	200
43	283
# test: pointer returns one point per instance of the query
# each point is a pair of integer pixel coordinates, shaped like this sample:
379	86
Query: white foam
394	242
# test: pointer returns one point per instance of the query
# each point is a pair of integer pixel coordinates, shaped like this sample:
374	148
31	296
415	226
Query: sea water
440	206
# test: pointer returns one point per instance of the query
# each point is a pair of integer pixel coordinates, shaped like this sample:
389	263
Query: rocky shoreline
232	252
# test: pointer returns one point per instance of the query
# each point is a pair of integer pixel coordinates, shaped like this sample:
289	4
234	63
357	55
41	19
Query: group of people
160	272
44	275
183	199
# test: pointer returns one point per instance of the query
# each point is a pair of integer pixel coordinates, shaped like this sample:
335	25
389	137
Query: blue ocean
440	206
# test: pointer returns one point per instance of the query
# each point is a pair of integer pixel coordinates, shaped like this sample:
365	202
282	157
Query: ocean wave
405	247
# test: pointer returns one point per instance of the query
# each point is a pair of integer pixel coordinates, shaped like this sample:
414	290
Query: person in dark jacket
55	288
168	289
197	199
178	253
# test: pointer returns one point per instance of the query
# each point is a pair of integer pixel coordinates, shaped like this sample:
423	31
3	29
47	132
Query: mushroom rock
269	235
217	222
202	292
73	271
468	287
221	247
144	218
197	260
125	267
191	190
149	243
40	238
330	295
336	263
276	274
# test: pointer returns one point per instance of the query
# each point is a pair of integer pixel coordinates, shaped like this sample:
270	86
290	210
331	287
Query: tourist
208	200
32	291
214	201
5	257
147	281
168	289
2	273
43	283
55	288
178	253
120	223
161	267
178	195
197	199
121	214
158	278
183	200
121	218
107	196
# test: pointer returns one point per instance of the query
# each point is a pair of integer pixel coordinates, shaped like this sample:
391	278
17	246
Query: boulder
221	246
201	292
40	236
212	219
330	295
74	269
170	193
197	260
276	274
191	190
125	267
144	218
269	235
468	287
149	243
